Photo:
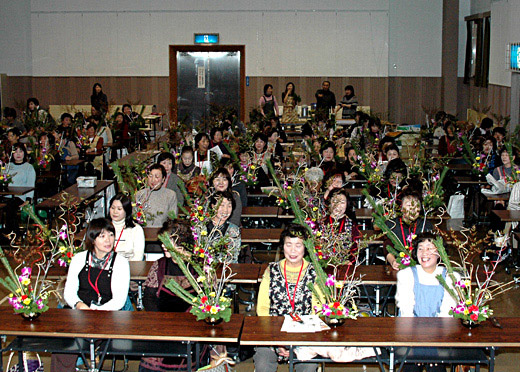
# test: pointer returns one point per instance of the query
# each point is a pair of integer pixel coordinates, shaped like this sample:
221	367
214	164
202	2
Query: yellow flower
223	299
318	233
27	301
253	167
199	208
201	255
315	209
213	310
467	283
477	158
203	233
377	169
63	249
26	281
18	290
212	294
468	302
200	279
201	219
466	311
11	295
339	285
289	187
401	254
340	307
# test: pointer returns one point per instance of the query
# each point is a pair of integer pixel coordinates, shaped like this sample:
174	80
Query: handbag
221	363
456	206
29	365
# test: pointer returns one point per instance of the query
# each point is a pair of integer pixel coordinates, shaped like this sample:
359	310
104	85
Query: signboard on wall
514	60
206	38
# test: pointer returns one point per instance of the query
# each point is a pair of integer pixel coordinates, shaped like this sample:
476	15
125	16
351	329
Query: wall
15	38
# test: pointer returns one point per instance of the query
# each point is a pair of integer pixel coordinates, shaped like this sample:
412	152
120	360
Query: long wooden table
78	194
506	215
17	191
145	333
387	332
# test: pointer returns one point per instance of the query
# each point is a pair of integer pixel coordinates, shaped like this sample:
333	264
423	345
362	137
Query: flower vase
213	321
332	322
30	316
469	324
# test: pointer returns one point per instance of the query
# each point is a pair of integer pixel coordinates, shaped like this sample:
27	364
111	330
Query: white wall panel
499	37
15	37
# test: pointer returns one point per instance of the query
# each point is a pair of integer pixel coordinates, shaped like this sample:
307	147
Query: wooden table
73	162
387	332
17	191
145	333
79	195
506	215
265	212
138	156
468	180
498	197
459	167
248	235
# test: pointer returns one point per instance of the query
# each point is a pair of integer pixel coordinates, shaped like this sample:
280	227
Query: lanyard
409	230
120	234
95	285
341	225
287	284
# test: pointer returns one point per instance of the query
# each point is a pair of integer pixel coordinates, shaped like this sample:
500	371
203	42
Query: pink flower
330	281
26	271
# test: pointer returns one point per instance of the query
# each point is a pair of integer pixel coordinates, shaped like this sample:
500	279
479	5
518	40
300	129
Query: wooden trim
205	48
474	17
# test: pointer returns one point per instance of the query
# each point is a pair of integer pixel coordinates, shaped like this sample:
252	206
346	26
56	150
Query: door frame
205	48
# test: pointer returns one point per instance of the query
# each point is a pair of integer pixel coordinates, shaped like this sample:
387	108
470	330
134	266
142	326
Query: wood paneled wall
401	98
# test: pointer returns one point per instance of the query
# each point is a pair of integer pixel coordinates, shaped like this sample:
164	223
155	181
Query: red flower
336	305
69	254
208	307
472	308
339	312
204	299
24	297
474	317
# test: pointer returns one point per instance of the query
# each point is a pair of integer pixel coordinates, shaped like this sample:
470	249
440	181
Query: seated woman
67	150
373	139
222	203
328	152
489	153
96	150
447	145
186	169
273	137
419	293
23	175
505	171
259	158
217	143
221	181
333	180
341	219
129	235
238	185
351	165
284	291
167	160
203	156
98	278
396	174
155	201
408	225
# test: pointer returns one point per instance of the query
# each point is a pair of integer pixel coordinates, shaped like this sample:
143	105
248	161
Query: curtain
467	64
485	54
478	58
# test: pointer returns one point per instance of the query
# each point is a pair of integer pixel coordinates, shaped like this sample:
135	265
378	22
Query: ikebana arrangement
479	162
27	281
476	288
5	177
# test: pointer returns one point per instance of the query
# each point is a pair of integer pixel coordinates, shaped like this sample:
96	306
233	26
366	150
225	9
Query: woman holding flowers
284	291
221	181
259	158
419	293
505	171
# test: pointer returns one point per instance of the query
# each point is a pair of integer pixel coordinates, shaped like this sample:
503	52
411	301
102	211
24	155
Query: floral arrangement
401	252
205	258
472	299
42	158
369	167
83	142
5	178
433	192
248	174
478	162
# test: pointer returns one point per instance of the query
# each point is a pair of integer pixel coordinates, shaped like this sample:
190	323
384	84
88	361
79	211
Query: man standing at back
325	100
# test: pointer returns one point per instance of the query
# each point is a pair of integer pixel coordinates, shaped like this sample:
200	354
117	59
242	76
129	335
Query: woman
155	201
340	219
273	137
407	226
217	143
259	158
489	153
129	235
23	175
95	149
33	111
221	181
167	160
48	165
204	157
351	166
447	145
222	204
284	291
98	99
186	169
420	294
349	103
238	185
289	98
267	103
328	153
67	150
159	298
505	171
98	278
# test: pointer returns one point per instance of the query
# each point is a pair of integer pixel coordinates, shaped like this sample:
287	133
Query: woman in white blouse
129	236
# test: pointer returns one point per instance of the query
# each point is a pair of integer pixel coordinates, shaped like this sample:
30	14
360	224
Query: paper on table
310	324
